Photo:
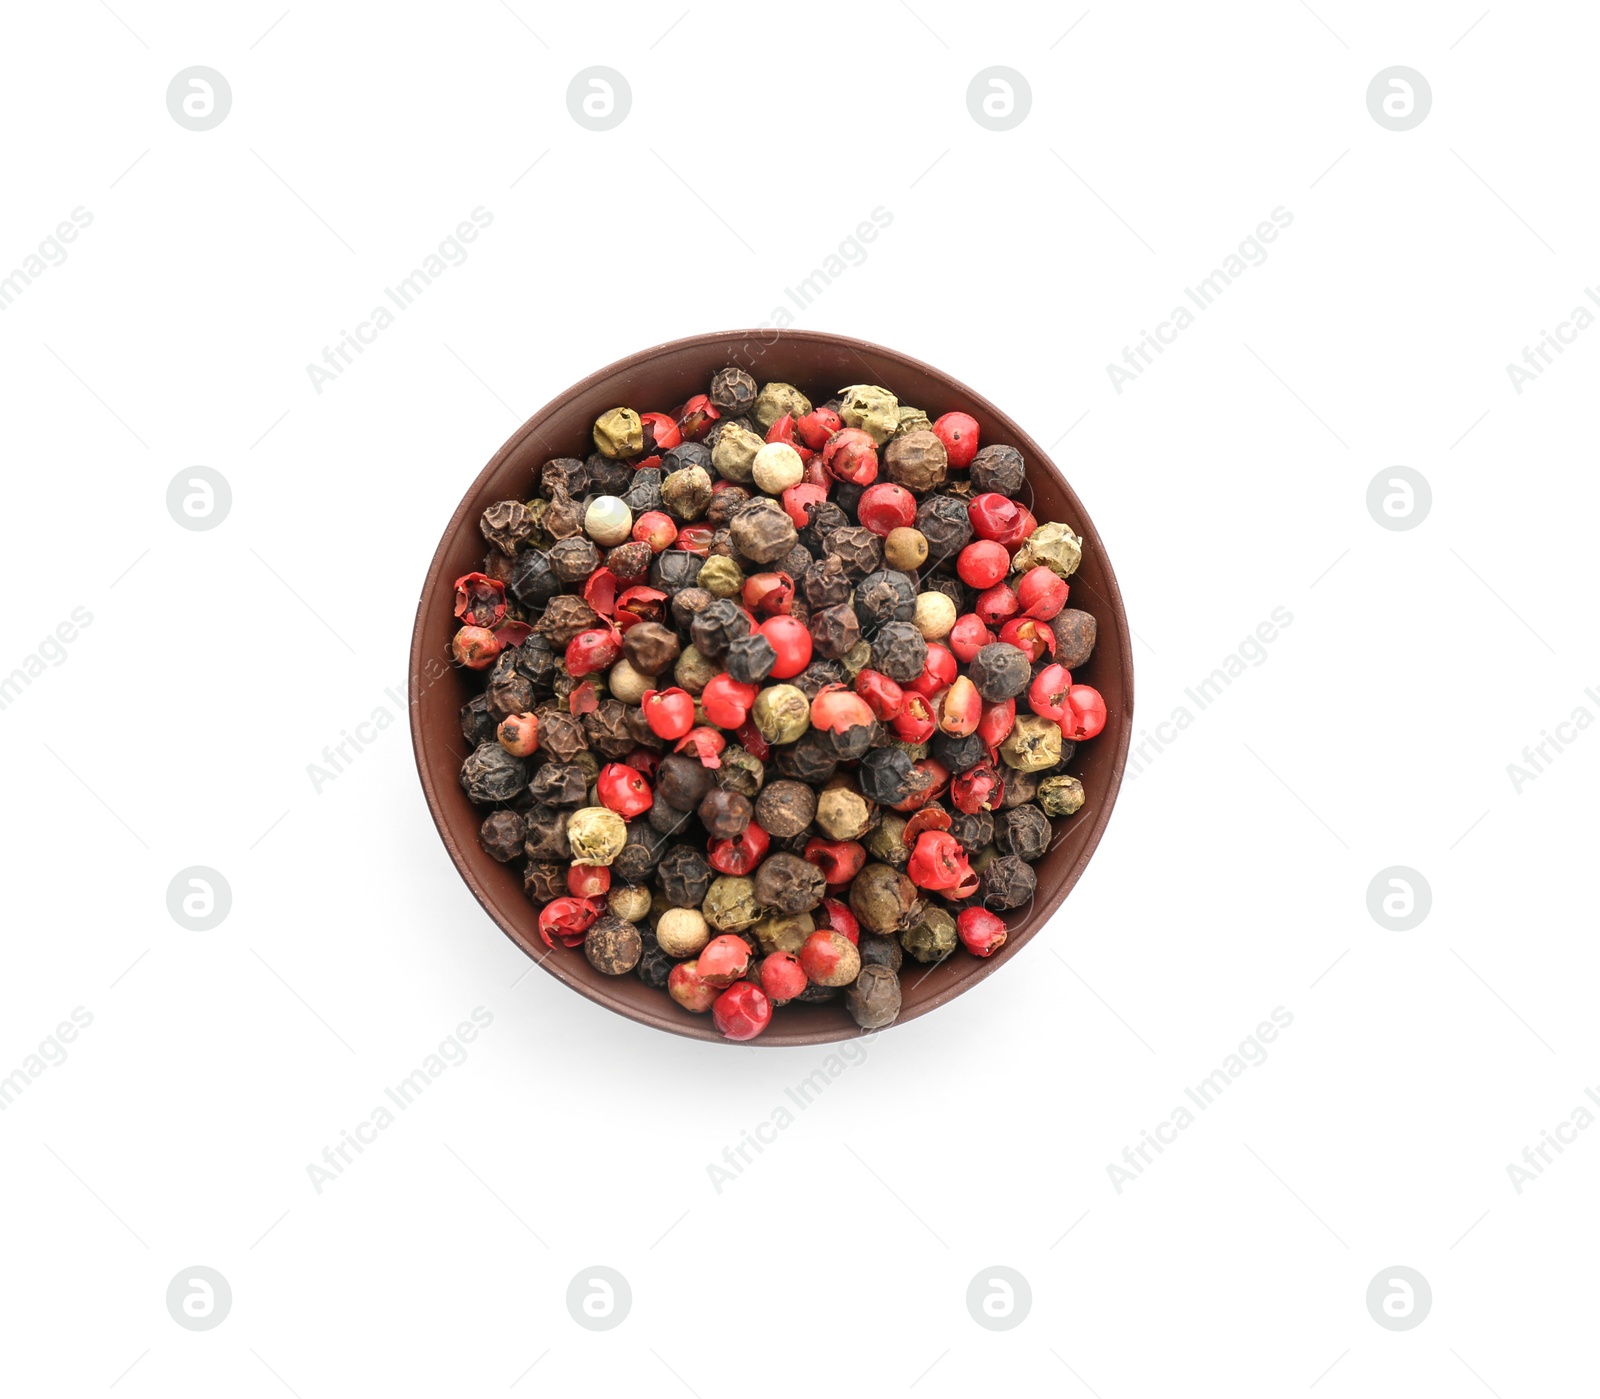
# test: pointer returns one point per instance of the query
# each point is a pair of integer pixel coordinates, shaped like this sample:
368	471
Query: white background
1230	479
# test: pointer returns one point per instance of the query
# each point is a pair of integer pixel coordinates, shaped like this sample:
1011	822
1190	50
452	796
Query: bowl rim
669	1018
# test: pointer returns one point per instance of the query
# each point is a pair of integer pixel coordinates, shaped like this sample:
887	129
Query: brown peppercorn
682	782
564	473
505	524
564	618
905	550
689	603
650	647
560	784
834	631
561	736
1075	637
873	999
725	505
789	884
883	899
826	584
573	560
547	837
741	771
509	691
613	946
686	493
762	531
544	880
608	731
630	561
1022	787
916	461
785	808
732	391
1007	882
998	468
684	876
502	834
900	651
724	814
859	550
879	951
1024	831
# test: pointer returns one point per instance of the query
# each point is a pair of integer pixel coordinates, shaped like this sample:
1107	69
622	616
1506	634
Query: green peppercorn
596	835
721	577
776	399
1053	545
730	904
694	672
1033	744
1060	796
784	932
742	772
842	812
912	420
686	493
734	456
883	899
874	410
886	841
781	713
932	937
619	433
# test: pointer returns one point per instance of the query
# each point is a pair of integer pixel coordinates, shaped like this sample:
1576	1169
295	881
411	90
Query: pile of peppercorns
754	677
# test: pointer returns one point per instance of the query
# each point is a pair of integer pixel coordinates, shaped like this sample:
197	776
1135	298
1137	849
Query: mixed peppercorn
777	695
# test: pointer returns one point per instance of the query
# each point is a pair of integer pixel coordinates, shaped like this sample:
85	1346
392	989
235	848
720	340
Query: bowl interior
660	378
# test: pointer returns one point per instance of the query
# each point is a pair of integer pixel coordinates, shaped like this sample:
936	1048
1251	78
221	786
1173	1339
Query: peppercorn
644	491
905	550
684	876
559	784
619	433
629	901
682	782
785	808
858	550
879	951
734	452
724	814
789	884
783	932
1075	637
874	410
508	691
776	467
655	966
650	648
477	724
885	596
810	759
885	841
684	455
694	671
1007	882
544	880
687	604
547	836
998	468
819	673
762	530
1024	831
606	476
830	959
750	659
732	391
596	835
884	776
883	899
682	931
573	560
742	422
725	505
721	577
900	652
730	904
932	937
916	460
1000	671
826	584
533	582
781	713
502	834
824	517
741	771
608	730
973	830
959	753
1060	796
613	946
686	493
717	626
944	522
505	524
561	517
835	630
842	812
774	401
491	774
1033	745
1053	546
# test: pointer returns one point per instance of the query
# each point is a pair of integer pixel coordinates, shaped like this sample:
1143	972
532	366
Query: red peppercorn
791	639
851	455
938	672
796	498
645	761
769	593
475	647
669	713
727	702
782	976
723	960
961	708
840	861
997	722
817	426
1041	593
828	957
1035	639
588	881
568	920
983	563
993	516
981	932
837	710
995	605
979	788
938	862
1047	696
696	539
697	417
886	507
623	790
840	919
600	591
1086	714
883	696
1026	524
655	528
706	744
592	650
688	990
914	723
959	433
750	738
480	600
661	433
739	855
969	636
742	1012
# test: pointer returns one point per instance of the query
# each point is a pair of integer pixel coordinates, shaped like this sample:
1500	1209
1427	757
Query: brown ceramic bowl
657	379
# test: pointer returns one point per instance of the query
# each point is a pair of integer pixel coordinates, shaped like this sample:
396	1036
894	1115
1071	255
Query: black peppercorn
900	652
788	884
508	691
718	626
477	724
687	454
544	880
762	530
684	876
785	808
836	630
873	998
725	505
1000	671
655	966
1023	831
859	550
724	814
733	391
687	604
644	491
998	468
502	834
848	494
574	559
826	584
960	595
885	596
958	754
815	994
879	951
533	582
547	837
674	569
825	517
491	774
884	776
810	759
973	832
566	473
560	784
606	477
537	661
819	673
650	648
608	731
639	856
750	659
682	781
1007	882
944	522
667	820
561	736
